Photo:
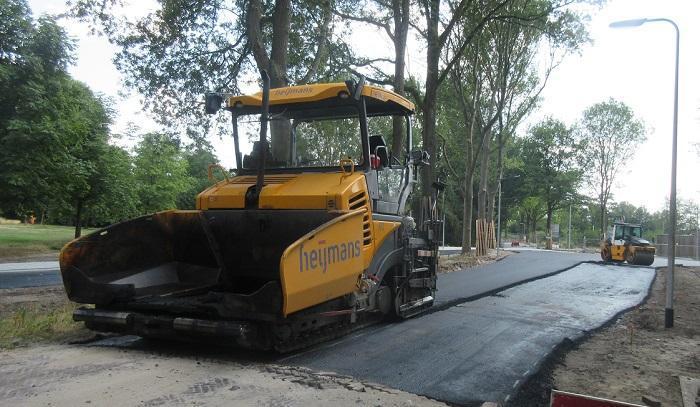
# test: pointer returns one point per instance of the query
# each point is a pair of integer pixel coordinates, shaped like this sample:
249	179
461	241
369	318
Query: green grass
24	240
31	324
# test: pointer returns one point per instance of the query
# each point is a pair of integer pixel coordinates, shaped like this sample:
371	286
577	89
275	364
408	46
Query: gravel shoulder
634	356
70	375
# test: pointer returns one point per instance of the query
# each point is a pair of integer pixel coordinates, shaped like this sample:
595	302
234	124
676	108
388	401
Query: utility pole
697	238
498	241
443	217
569	242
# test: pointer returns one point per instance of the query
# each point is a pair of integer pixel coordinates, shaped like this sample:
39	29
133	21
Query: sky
634	65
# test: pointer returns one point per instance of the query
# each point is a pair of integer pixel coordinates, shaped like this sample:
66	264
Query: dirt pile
456	262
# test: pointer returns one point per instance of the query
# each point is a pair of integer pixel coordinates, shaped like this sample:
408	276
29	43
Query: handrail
210	173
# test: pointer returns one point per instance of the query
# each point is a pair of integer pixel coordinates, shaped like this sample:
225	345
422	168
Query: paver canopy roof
303	100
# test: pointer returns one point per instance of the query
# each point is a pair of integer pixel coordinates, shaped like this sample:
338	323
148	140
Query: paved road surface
32	274
484	350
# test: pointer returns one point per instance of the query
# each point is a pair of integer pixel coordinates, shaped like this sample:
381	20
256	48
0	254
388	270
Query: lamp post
498	242
672	206
498	228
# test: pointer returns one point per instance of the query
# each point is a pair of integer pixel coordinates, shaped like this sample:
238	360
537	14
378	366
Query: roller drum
642	258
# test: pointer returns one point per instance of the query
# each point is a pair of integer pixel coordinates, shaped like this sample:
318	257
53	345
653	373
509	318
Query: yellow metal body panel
382	229
324	264
617	252
311	190
332	191
315	93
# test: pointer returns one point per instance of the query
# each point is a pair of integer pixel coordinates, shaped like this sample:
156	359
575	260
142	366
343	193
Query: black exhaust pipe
264	118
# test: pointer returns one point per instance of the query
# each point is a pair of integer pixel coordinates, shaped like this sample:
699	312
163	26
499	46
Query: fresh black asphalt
516	268
484	350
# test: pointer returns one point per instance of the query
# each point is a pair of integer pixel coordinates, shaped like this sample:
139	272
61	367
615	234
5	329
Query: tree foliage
161	172
549	154
58	161
611	135
181	50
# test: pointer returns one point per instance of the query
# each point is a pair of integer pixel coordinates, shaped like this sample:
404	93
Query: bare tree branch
321	41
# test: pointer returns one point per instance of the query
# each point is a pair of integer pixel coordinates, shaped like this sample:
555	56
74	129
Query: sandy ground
635	356
457	262
72	375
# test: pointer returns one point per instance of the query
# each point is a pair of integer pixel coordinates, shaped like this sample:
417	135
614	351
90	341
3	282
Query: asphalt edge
540	381
458	301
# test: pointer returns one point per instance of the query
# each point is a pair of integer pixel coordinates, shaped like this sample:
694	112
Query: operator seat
250	161
377	147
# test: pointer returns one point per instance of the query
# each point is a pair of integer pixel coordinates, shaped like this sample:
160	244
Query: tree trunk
280	129
467	218
467	210
275	63
78	217
534	230
603	215
484	176
603	218
280	44
494	190
430	99
401	10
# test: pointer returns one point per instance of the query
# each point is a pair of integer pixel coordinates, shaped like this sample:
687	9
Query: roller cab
309	238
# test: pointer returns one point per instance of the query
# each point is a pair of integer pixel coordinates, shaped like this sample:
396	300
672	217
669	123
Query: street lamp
672	209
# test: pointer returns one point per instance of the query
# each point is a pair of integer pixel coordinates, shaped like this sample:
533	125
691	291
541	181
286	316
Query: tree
610	134
532	209
33	88
688	216
176	53
549	155
161	172
198	157
381	15
495	84
81	177
115	198
471	16
15	29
